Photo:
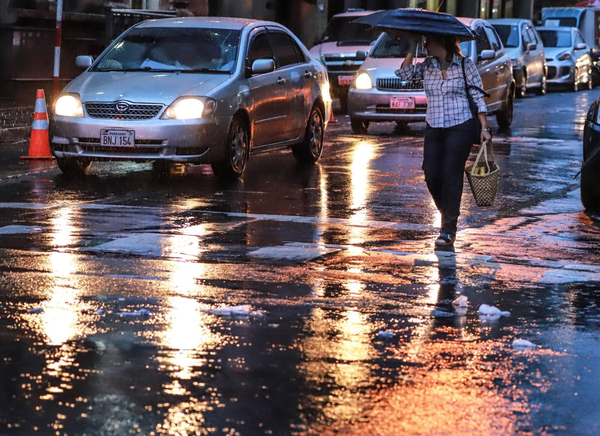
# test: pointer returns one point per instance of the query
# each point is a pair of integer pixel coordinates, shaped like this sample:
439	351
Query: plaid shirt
447	103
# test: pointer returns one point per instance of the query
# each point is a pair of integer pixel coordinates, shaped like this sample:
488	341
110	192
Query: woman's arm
473	78
406	71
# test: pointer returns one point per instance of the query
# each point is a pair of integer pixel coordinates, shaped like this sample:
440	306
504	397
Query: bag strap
482	149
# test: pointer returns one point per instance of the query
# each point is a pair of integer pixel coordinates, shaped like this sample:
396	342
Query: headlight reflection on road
360	185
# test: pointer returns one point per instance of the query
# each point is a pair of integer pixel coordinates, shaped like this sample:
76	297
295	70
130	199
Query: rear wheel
505	116
310	149
359	127
73	166
237	150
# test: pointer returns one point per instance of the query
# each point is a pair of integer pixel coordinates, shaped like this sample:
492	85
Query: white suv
338	46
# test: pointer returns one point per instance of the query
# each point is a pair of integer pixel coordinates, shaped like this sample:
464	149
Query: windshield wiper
205	71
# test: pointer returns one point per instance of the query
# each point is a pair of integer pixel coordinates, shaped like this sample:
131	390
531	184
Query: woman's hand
486	136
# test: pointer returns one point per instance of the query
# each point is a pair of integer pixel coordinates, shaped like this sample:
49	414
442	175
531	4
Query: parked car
194	90
590	183
338	46
378	95
567	56
526	50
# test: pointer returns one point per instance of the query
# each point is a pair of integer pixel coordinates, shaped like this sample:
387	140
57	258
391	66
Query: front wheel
505	116
543	87
237	150
359	127
311	147
73	166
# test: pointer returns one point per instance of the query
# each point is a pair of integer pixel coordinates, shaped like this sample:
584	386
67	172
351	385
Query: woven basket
484	186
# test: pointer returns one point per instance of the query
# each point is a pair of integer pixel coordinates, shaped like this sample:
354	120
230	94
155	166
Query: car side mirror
486	55
361	55
581	46
84	61
531	47
262	66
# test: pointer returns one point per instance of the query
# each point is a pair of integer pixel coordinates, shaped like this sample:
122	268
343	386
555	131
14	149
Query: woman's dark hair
450	44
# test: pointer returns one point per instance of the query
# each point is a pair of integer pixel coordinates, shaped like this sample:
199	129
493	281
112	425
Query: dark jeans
444	157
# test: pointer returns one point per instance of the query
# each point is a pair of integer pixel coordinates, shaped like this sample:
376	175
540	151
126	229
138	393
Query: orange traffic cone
39	144
331	118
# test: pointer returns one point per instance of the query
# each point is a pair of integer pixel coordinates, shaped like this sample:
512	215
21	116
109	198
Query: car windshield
391	46
555	38
173	49
343	31
508	34
465	48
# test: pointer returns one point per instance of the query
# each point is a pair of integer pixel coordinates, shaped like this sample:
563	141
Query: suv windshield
508	34
392	46
555	38
173	49
343	31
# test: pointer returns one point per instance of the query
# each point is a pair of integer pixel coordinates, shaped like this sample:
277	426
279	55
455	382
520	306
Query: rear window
343	31
555	38
173	49
561	22
508	34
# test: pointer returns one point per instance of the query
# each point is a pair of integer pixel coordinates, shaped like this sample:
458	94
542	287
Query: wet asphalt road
303	301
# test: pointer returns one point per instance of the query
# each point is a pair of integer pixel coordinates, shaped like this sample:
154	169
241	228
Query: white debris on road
491	311
241	310
522	344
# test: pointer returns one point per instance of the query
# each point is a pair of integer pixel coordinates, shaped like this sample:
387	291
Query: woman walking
450	125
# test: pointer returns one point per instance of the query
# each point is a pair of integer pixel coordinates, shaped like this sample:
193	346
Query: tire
237	151
543	89
590	190
505	116
310	149
522	90
359	127
73	166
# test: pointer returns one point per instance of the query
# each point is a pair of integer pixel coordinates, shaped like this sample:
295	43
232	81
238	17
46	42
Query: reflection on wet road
300	301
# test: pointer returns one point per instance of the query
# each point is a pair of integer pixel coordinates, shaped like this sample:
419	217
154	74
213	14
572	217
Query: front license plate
345	80
117	138
402	102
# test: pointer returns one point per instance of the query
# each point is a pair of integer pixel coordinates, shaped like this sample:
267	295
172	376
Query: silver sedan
194	90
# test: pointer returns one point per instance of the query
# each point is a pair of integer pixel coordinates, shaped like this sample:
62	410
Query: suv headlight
189	108
363	81
68	105
564	56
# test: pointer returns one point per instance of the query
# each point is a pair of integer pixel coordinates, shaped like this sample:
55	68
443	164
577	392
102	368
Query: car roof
509	21
203	22
355	13
467	21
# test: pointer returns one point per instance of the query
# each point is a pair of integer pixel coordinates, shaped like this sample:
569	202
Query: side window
259	49
526	38
532	36
482	40
493	38
285	49
578	38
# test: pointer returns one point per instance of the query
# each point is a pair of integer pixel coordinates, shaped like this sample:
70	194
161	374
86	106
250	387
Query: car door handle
308	75
281	81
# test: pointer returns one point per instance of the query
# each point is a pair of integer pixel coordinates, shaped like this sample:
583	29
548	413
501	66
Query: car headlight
363	81
189	108
564	56
68	105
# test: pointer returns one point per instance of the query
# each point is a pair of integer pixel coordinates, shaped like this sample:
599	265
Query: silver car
378	95
194	90
568	57
526	50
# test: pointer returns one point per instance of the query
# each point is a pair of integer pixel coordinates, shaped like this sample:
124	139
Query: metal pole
59	9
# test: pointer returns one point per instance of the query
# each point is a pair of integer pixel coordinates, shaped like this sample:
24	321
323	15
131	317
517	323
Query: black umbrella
418	22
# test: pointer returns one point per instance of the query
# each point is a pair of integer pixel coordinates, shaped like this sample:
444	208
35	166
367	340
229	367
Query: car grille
341	64
551	72
397	84
132	112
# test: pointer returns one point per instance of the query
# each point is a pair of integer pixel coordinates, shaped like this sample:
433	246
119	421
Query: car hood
383	67
553	52
328	48
142	86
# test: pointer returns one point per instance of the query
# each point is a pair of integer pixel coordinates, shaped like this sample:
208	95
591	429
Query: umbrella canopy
418	22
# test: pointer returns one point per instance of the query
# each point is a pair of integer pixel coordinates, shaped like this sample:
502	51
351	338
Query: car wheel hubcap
238	147
316	134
